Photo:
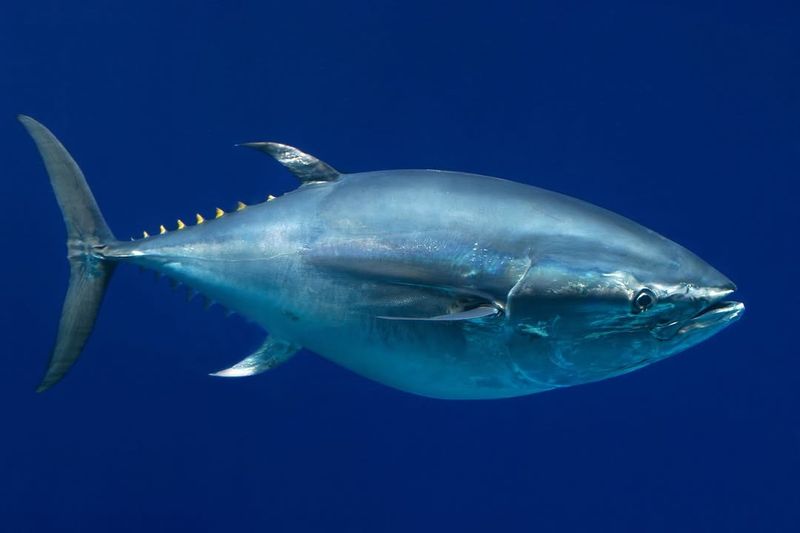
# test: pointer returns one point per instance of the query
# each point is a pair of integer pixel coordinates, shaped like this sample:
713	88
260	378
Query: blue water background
682	115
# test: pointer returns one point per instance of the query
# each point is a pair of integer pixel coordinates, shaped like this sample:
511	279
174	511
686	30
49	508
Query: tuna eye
644	300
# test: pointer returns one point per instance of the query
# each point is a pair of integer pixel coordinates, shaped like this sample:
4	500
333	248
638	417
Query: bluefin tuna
443	284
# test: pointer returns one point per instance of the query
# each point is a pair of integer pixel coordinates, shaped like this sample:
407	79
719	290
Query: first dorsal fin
306	167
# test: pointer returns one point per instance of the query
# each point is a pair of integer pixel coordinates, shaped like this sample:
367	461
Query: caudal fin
87	234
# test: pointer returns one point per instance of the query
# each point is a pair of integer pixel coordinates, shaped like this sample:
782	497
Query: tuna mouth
723	308
708	320
715	315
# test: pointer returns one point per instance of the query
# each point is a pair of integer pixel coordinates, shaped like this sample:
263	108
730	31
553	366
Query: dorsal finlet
219	213
162	230
181	225
200	218
306	167
270	198
240	205
145	234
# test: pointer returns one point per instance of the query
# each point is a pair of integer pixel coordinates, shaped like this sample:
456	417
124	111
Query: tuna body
444	284
328	265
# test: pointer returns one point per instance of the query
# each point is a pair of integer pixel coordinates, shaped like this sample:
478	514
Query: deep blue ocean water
684	116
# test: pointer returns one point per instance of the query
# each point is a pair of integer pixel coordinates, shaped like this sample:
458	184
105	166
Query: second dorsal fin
306	167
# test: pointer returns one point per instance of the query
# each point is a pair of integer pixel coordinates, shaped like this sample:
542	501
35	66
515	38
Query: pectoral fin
271	354
482	311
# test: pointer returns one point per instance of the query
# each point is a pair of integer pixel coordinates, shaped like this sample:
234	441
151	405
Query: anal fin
272	353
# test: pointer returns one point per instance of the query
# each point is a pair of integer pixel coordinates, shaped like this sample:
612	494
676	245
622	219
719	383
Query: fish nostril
720	282
731	286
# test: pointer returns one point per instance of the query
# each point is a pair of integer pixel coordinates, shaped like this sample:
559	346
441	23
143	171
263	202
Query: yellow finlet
219	213
270	198
181	225
240	205
145	234
200	218
162	230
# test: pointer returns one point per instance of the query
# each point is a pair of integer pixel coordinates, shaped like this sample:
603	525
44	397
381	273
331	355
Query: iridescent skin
324	265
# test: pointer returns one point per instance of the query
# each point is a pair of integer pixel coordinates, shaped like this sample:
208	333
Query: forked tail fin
87	234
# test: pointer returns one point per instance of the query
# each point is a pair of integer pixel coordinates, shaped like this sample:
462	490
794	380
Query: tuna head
604	296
